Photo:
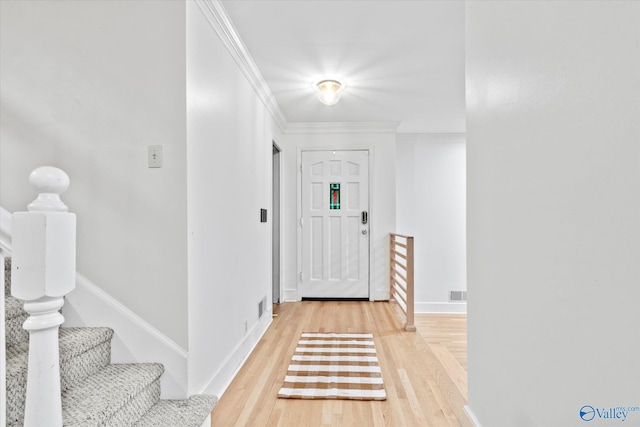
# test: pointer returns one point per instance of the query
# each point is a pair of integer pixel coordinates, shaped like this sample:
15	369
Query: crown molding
342	127
430	137
217	16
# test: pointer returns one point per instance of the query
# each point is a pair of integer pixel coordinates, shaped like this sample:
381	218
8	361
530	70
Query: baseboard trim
381	294
290	295
440	307
472	420
236	360
134	341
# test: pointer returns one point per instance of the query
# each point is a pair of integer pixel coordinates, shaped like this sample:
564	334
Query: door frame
277	223
372	229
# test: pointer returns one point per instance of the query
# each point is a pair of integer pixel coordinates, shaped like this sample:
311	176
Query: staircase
94	391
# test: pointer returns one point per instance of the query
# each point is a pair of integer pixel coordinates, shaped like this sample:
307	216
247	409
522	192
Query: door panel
335	242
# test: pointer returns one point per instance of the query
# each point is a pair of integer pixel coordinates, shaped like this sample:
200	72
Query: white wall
86	86
431	206
382	202
229	154
553	136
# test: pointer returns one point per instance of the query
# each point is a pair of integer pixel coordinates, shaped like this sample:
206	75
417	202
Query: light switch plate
155	156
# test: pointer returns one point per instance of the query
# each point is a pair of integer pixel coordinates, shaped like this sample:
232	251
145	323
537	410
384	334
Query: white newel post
43	272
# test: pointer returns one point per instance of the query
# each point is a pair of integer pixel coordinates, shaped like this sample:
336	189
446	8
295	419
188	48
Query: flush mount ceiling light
329	91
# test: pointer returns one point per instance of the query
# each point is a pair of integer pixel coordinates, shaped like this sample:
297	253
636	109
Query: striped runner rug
334	366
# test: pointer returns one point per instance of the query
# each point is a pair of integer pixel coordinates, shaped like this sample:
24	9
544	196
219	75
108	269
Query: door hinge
301	221
301	168
301	276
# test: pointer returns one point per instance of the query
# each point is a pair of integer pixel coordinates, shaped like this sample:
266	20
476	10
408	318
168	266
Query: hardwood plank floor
448	330
417	392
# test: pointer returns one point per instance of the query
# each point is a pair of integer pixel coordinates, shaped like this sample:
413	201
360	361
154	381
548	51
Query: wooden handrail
402	236
401	286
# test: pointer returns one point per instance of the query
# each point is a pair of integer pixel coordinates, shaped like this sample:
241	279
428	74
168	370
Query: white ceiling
402	61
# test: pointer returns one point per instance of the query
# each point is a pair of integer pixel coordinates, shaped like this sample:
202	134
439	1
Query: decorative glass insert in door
334	196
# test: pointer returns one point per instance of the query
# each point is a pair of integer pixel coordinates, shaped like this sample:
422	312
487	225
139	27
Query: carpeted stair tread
72	343
95	392
14	317
117	395
83	352
13	307
190	412
7	275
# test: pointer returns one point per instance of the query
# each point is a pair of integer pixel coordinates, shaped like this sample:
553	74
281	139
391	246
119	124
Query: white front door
335	224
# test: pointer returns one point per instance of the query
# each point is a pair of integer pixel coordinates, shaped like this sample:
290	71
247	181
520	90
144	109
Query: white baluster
43	272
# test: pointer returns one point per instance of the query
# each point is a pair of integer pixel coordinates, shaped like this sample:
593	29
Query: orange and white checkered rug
334	366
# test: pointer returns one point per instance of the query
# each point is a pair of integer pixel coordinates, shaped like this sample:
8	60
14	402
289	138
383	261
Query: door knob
364	231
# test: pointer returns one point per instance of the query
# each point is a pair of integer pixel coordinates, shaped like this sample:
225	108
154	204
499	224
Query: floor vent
261	306
457	295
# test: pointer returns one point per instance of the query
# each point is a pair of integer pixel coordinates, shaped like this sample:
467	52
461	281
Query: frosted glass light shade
329	91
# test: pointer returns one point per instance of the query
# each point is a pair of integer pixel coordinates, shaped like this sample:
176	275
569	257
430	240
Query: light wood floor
420	389
447	330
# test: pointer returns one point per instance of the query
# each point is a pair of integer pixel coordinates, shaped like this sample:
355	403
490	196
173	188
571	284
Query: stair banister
43	272
402	283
